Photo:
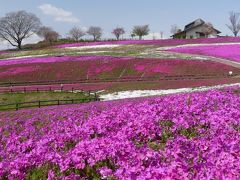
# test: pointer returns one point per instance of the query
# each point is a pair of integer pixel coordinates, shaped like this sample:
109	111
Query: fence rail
25	89
122	79
39	104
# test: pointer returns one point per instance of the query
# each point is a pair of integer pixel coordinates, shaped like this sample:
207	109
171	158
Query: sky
62	15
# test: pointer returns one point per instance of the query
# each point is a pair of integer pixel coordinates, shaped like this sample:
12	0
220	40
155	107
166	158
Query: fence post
39	104
37	89
72	89
95	96
61	87
89	93
58	102
17	106
72	101
24	89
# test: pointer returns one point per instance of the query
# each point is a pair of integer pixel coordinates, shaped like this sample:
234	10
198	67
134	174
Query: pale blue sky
159	14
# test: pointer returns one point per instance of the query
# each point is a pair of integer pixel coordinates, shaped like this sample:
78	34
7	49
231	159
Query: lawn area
14	98
122	50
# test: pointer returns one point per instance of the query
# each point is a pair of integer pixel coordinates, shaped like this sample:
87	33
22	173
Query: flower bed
186	136
3	52
90	67
162	43
231	52
53	59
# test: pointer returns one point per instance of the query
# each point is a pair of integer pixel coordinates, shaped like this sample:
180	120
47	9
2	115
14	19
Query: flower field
100	67
230	52
180	136
185	136
91	90
161	43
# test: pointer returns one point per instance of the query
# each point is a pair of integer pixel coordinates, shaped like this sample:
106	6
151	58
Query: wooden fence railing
25	89
39	104
122	79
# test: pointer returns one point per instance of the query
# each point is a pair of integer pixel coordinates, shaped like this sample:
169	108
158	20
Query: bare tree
234	25
48	34
52	36
175	29
118	32
95	31
76	33
43	31
141	31
208	29
17	26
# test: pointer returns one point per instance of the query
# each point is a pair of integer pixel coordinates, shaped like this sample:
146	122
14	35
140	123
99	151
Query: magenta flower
184	136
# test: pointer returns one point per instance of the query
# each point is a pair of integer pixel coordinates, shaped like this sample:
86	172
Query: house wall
192	33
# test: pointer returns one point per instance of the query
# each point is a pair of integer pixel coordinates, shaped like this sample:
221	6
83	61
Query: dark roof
178	33
194	24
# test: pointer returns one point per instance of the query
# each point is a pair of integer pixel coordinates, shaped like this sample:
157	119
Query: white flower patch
146	93
95	46
194	45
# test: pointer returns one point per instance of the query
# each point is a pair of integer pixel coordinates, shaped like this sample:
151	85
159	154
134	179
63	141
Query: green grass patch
34	97
123	50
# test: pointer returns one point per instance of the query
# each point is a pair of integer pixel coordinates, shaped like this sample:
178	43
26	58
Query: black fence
39	104
25	89
122	79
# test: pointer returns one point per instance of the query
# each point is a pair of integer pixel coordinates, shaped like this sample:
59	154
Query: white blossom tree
141	31
118	32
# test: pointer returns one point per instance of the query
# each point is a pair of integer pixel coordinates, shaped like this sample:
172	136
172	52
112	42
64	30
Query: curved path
201	57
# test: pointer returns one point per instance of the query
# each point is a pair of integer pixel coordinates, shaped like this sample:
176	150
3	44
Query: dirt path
211	58
202	44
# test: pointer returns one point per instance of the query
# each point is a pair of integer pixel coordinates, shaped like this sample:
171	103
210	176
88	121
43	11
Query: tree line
19	25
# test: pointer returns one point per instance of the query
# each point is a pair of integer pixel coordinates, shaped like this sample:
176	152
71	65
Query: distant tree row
17	26
20	25
77	33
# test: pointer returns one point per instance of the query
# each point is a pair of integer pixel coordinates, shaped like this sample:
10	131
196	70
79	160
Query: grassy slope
75	70
36	96
13	98
174	84
82	70
124	50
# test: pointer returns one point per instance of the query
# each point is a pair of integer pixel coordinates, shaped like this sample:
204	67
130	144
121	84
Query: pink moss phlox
164	42
231	52
185	136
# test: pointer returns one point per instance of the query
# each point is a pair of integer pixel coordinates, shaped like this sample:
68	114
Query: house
197	29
